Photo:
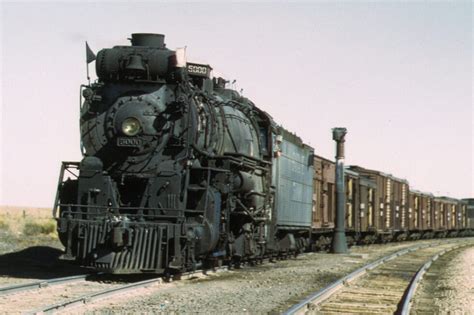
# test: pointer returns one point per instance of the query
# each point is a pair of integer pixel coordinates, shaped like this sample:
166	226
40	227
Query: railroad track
437	292
99	289
385	286
61	294
20	297
42	284
407	299
17	297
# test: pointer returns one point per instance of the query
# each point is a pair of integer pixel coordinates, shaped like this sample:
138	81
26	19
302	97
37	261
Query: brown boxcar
391	203
438	216
419	212
352	201
324	201
360	203
446	218
469	214
453	220
367	188
462	214
458	223
360	191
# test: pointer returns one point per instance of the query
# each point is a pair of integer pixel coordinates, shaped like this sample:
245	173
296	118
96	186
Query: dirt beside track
448	286
29	246
272	287
25	227
28	252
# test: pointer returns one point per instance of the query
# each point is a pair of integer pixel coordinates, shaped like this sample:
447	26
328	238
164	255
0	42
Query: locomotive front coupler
122	234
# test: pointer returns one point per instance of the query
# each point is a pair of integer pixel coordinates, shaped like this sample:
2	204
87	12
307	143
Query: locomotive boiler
177	170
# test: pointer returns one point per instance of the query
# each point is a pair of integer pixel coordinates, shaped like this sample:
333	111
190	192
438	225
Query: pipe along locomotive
179	171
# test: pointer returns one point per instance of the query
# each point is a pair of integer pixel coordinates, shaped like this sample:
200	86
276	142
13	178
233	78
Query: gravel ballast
271	287
448	286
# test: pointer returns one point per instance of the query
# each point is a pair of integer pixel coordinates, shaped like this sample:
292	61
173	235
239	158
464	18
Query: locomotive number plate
129	142
197	69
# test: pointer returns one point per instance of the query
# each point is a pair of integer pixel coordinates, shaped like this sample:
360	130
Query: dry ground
448	286
23	227
29	246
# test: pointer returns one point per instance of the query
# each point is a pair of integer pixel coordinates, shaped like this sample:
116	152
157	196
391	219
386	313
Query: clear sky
398	75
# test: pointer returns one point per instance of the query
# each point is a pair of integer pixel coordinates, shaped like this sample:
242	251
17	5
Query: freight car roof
293	138
350	172
469	201
363	171
418	192
365	181
447	199
324	159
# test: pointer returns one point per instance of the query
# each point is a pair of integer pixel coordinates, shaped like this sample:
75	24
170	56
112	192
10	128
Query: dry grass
34	228
27	221
24	227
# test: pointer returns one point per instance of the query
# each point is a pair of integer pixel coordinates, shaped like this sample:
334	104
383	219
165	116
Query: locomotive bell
135	63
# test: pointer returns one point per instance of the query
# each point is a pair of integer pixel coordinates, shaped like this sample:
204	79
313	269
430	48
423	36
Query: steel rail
41	284
92	297
410	292
88	298
326	292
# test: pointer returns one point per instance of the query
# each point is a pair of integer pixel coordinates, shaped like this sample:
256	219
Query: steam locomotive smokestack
148	39
339	241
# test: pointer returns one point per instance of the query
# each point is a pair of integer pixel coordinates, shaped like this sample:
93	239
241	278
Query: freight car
390	204
360	205
446	216
468	206
180	171
360	208
324	202
419	215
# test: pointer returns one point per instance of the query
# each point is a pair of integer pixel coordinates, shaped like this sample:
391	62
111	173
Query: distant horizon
397	75
26	206
327	158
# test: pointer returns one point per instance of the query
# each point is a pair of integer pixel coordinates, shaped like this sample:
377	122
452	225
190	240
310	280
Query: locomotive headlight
131	126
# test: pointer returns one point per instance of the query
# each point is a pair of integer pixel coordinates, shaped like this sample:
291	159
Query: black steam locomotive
178	171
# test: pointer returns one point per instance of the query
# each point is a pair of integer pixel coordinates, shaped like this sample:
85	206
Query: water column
339	241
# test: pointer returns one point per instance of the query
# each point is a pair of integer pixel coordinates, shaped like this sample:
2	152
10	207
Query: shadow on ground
40	262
